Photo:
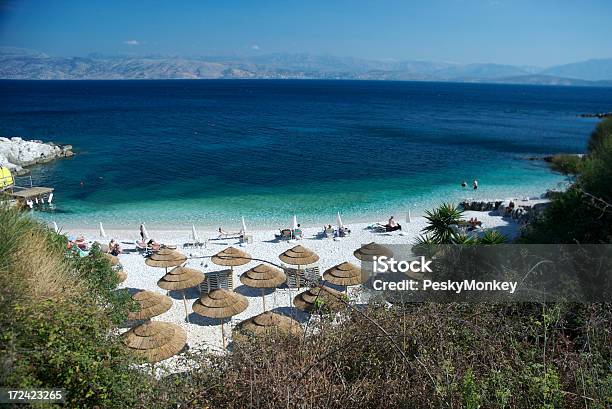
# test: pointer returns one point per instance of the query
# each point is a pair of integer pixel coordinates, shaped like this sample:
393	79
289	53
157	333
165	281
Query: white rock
15	153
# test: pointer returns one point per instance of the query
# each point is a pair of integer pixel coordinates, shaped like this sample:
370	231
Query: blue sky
536	32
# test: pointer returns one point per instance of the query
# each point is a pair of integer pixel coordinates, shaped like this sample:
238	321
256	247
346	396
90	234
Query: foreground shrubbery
418	355
56	314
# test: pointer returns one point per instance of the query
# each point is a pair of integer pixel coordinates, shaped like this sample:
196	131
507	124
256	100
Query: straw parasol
299	256
268	322
220	303
121	276
263	276
343	274
306	301
114	260
368	251
231	257
181	278
165	258
151	304
155	341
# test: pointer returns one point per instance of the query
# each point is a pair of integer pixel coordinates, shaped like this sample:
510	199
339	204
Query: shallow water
172	153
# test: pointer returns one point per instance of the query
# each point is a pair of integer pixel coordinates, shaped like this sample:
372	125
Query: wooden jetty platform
30	193
24	196
28	197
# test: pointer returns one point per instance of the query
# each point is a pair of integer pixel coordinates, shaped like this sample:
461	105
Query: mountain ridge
30	64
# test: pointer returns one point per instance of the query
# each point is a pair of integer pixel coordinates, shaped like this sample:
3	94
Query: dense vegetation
59	314
57	311
582	214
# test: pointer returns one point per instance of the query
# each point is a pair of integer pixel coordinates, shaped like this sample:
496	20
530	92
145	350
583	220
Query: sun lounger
217	279
225	236
193	243
378	227
285	234
303	277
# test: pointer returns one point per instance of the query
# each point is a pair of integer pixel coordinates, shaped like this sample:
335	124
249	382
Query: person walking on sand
142	232
475	184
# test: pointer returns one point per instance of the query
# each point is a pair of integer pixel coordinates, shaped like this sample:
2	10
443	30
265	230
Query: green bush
566	163
582	214
58	317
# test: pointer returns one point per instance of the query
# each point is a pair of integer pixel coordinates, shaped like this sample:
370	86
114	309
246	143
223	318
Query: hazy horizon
519	33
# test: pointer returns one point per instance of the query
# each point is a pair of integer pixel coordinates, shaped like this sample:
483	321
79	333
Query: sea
208	152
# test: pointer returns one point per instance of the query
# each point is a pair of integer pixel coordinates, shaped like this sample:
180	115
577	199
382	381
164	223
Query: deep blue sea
173	153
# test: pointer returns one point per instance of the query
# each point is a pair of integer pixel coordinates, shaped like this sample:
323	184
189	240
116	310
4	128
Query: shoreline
271	223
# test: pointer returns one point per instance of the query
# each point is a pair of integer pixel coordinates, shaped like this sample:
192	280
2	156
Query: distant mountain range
29	64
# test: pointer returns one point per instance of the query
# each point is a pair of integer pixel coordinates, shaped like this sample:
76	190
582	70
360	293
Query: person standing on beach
475	184
142	231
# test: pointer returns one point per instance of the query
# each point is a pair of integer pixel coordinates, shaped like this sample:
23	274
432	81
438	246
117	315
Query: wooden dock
30	193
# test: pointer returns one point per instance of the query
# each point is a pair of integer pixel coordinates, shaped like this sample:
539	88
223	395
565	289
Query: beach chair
225	236
194	243
304	277
378	227
217	279
246	238
285	234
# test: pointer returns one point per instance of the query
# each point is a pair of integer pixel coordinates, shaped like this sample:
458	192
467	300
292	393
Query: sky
519	32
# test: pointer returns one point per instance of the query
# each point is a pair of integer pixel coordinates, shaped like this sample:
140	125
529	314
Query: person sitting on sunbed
153	245
297	233
111	245
392	225
81	243
224	234
343	231
116	250
474	223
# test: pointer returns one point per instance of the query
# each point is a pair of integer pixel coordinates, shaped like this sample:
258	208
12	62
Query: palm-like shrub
464	239
493	237
440	221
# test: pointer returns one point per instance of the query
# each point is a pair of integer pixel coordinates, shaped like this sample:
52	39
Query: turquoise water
173	153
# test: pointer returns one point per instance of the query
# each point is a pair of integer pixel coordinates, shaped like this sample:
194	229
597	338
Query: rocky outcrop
17	154
481	206
597	115
522	211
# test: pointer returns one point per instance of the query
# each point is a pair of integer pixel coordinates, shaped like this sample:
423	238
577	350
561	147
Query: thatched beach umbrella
220	303
307	300
263	276
155	341
114	260
299	256
231	257
268	322
367	252
151	305
165	258
345	274
181	278
121	276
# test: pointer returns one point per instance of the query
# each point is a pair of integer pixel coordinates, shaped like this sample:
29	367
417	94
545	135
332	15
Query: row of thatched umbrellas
156	341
